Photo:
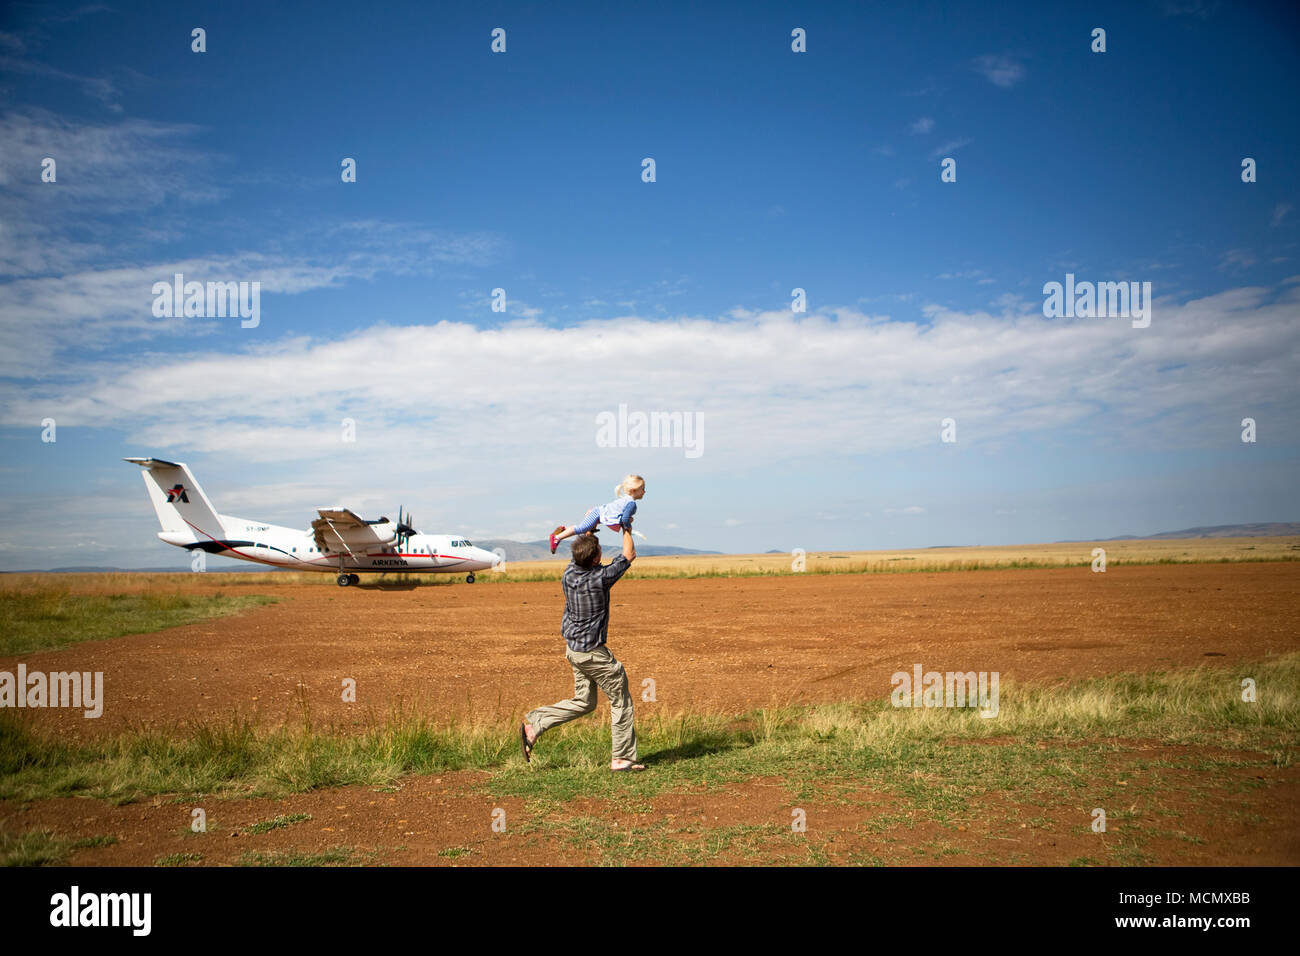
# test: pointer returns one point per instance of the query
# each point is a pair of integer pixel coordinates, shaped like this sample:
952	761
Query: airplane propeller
404	528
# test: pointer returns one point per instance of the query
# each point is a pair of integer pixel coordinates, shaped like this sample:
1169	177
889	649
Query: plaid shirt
586	603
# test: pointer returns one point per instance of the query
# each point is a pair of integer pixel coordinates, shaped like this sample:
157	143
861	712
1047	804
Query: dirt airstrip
710	644
493	650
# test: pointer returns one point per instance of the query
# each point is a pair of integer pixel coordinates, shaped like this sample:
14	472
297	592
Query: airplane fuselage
292	548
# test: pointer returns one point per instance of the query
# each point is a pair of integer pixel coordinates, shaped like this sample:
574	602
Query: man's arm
614	570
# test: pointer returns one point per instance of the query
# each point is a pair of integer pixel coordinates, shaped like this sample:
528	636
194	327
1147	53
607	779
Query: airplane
339	541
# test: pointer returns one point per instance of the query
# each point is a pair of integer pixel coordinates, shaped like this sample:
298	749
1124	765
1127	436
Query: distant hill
1267	530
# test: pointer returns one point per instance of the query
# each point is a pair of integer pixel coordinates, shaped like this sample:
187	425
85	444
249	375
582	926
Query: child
617	514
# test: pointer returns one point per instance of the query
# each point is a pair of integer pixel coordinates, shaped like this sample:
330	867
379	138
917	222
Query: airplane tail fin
183	509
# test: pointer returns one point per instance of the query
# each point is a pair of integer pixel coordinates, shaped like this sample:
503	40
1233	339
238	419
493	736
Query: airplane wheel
356	578
344	580
469	579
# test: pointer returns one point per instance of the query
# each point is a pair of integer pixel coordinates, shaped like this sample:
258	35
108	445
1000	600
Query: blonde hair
627	484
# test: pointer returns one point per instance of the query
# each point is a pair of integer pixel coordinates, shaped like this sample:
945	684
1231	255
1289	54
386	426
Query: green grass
178	859
808	746
1051	750
279	822
41	617
336	856
235	758
42	847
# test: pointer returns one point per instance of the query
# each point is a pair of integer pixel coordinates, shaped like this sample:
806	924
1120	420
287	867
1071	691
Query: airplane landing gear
345	579
469	579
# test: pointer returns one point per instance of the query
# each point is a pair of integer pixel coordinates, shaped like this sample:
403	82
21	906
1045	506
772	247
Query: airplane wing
332	527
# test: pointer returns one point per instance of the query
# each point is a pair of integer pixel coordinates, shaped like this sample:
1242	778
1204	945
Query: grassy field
42	847
42	612
1174	743
818	749
1118	554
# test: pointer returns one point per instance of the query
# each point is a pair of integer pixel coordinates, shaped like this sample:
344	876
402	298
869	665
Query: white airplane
338	541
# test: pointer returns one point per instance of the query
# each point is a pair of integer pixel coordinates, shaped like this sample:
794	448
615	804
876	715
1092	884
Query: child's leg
589	522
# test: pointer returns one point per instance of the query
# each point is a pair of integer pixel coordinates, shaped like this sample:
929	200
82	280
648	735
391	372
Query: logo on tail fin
177	494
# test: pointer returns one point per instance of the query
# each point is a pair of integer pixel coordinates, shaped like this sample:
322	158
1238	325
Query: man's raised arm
629	546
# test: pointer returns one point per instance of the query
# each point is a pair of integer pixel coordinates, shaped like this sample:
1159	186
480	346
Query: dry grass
42	611
1118	553
1178	551
1194	708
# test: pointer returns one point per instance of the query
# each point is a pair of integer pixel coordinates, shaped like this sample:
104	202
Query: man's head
586	551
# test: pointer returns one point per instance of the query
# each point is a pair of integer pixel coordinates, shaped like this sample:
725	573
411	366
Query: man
585	626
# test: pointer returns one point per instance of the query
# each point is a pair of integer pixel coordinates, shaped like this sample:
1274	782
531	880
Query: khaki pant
592	669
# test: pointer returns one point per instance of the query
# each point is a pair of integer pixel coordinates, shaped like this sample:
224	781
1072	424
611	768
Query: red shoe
554	543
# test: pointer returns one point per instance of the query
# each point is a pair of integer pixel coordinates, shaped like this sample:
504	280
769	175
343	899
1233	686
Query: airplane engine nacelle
385	533
375	534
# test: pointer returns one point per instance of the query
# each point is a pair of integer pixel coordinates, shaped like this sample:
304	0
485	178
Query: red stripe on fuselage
331	562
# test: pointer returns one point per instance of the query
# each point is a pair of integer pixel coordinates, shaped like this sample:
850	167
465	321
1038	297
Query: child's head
632	485
586	551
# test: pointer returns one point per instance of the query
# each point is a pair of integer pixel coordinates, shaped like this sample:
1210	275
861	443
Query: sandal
525	746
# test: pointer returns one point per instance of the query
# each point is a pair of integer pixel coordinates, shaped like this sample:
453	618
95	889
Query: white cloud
921	126
1201	9
1000	70
100	88
1279	213
95	307
950	147
767	386
1237	259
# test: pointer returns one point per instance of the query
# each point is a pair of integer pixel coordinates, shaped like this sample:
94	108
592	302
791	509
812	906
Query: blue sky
774	170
